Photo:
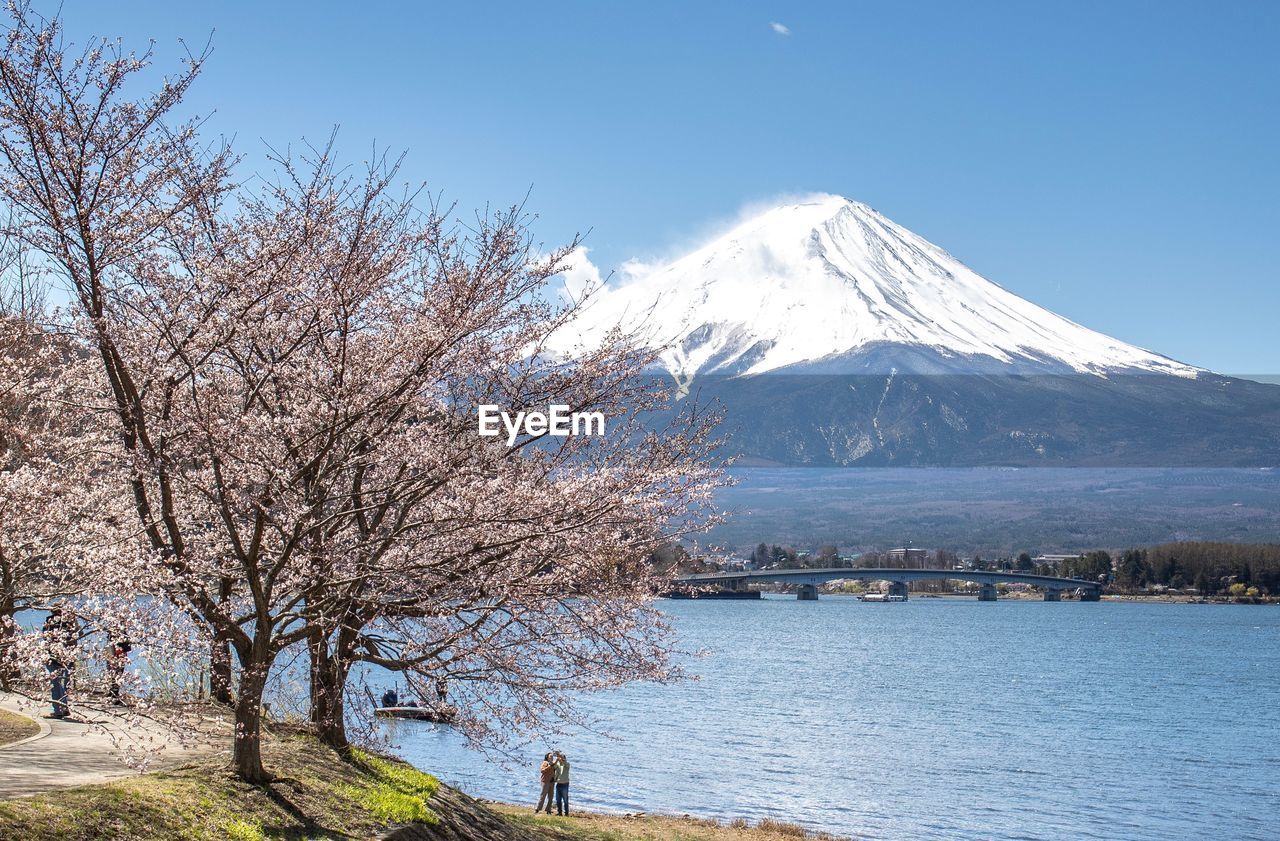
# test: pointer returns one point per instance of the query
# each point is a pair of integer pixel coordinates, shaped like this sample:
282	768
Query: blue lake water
937	718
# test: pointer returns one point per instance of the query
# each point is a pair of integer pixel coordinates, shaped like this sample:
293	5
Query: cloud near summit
581	273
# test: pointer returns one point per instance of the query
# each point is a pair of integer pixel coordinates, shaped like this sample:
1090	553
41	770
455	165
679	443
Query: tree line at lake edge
1235	570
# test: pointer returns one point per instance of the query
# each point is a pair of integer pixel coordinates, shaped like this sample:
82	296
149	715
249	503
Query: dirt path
67	753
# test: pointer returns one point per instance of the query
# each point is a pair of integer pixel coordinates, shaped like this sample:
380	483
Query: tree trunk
328	686
9	671
220	657
220	671
8	665
246	756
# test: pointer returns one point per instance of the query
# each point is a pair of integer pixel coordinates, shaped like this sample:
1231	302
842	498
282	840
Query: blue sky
1112	161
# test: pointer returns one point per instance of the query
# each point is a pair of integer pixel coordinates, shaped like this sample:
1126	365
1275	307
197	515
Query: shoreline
1018	596
364	795
661	826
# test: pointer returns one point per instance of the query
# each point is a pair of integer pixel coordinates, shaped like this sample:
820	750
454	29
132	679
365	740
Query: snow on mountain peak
829	284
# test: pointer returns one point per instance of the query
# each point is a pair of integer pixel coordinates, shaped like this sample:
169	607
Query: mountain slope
831	285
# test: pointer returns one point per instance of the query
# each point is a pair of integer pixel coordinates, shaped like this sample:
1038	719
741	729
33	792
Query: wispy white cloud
580	276
780	28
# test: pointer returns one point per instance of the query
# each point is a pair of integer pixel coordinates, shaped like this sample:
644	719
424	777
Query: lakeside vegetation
1238	572
586	826
1234	569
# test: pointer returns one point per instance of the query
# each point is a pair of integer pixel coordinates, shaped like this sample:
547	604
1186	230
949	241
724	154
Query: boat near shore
882	597
442	715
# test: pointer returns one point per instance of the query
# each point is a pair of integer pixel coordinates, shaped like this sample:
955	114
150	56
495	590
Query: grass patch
399	775
393	807
318	795
238	830
14	727
393	792
783	828
597	827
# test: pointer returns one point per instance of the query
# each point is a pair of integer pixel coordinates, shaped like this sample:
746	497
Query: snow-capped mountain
829	285
829	335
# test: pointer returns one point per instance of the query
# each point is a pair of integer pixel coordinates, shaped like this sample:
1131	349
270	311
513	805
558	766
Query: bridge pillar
898	588
807	592
1090	594
1051	595
987	593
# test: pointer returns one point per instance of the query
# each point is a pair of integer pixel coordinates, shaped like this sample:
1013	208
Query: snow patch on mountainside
830	282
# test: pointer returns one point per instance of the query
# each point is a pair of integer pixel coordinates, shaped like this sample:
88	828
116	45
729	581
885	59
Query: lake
938	718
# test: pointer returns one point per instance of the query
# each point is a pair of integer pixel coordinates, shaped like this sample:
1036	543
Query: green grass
14	727
317	795
392	791
239	830
585	826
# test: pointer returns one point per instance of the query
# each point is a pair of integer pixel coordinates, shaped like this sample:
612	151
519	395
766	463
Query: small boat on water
882	597
442	715
395	705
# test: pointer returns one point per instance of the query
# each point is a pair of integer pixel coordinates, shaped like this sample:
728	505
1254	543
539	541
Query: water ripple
939	719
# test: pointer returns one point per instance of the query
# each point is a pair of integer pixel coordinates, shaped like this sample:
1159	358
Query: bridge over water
807	580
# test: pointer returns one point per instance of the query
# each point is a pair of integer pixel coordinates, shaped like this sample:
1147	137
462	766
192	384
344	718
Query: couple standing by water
554	773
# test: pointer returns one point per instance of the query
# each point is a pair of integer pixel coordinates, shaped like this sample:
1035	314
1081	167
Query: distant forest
997	512
1209	567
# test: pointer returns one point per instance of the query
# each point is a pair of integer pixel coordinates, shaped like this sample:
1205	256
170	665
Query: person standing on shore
562	783
547	775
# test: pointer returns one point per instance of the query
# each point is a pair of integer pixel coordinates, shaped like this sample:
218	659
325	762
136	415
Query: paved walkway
69	753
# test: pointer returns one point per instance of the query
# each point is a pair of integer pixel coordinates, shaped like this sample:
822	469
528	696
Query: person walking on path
562	784
61	633
547	775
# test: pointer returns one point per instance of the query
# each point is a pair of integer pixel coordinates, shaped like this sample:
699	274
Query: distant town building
1054	560
907	557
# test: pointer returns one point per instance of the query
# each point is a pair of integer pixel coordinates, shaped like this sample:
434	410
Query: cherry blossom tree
345	434
510	571
61	516
27	572
94	181
37	483
292	379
